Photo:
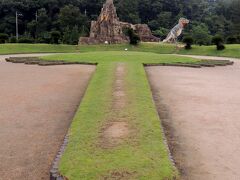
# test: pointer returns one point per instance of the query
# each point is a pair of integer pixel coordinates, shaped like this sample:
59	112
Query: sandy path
200	107
36	108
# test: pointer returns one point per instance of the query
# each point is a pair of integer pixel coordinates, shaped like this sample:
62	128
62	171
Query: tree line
55	21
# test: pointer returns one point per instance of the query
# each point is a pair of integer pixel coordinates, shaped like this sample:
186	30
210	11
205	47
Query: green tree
55	37
43	24
70	16
31	27
128	10
232	40
235	15
161	32
3	38
71	36
220	16
201	34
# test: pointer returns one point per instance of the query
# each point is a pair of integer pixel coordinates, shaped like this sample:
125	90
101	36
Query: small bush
44	40
3	38
26	40
55	37
12	39
232	40
218	41
220	47
134	38
238	38
188	41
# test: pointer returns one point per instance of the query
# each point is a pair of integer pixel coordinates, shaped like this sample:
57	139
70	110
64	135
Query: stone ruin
109	29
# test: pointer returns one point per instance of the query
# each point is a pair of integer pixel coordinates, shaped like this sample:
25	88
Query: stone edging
54	171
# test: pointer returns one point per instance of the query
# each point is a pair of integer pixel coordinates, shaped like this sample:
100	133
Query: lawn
230	51
144	155
36	48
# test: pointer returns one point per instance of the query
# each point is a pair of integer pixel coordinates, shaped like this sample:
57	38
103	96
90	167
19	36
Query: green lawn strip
160	48
82	158
143	156
121	56
36	48
153	152
230	51
142	47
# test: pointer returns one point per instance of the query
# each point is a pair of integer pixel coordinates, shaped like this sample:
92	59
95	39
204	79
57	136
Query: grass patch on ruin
144	156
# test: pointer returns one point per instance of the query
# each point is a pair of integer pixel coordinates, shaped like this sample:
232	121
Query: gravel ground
200	111
37	105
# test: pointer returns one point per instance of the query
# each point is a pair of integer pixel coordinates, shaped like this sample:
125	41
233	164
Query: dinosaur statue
176	31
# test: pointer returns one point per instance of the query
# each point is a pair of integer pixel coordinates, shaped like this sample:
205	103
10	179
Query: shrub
218	41
55	37
43	40
220	47
26	40
188	41
12	39
3	38
238	38
161	33
232	40
134	38
40	40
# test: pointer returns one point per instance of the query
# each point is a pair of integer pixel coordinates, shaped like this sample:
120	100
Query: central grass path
116	133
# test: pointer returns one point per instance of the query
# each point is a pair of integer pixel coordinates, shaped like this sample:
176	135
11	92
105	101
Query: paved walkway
37	105
200	111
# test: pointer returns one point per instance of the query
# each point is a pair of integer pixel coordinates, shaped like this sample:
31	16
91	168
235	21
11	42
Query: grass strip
80	161
36	48
142	156
230	51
